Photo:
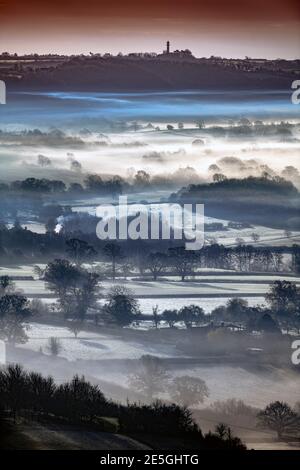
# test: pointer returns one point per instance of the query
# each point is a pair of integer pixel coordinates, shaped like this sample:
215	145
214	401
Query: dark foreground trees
13	383
223	438
22	392
78	402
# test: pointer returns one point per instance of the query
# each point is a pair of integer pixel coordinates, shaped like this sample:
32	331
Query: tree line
152	257
92	183
30	395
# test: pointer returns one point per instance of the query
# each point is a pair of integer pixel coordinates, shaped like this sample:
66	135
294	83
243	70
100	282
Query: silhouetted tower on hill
167	50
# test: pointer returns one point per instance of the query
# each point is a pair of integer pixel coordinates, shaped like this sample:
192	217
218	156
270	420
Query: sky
228	28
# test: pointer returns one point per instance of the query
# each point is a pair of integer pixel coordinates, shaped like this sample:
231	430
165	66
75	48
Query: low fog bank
172	154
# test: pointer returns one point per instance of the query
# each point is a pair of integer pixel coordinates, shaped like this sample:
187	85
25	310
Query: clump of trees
263	184
189	391
79	250
283	312
151	378
78	291
22	391
190	315
6	285
15	311
256	199
75	287
233	407
284	301
121	306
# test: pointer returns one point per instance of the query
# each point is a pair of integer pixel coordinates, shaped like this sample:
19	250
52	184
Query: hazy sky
232	28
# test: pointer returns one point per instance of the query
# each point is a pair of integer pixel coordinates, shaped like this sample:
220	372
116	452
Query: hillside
37	436
140	74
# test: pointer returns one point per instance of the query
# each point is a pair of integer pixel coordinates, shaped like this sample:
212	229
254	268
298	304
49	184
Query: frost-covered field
208	274
91	345
207	287
17	270
267	236
207	304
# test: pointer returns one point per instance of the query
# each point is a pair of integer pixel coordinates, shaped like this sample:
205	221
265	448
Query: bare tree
182	260
156	317
79	250
156	263
279	417
75	327
114	252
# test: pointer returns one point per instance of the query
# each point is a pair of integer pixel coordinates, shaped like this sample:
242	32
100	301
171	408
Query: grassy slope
35	436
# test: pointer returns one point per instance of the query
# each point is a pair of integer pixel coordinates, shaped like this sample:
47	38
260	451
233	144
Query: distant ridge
154	74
